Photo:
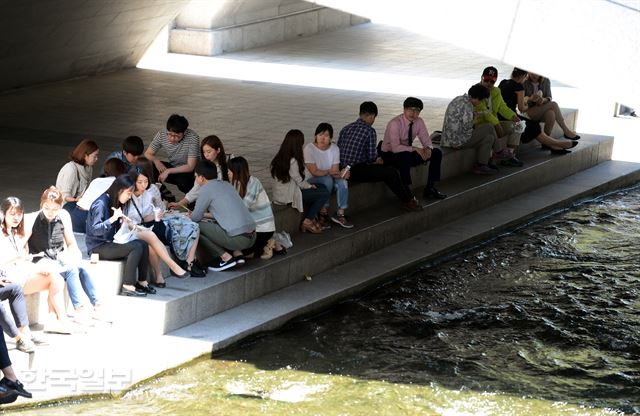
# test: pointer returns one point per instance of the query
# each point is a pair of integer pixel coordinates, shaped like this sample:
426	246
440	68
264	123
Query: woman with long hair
541	107
145	208
74	178
211	149
15	262
106	217
513	95
255	198
290	187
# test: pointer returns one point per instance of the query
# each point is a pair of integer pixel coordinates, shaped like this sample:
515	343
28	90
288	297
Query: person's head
143	173
176	126
85	153
323	135
518	75
291	148
114	167
205	171
51	202
478	93
489	77
412	108
212	149
239	168
121	190
533	77
368	112
12	216
132	148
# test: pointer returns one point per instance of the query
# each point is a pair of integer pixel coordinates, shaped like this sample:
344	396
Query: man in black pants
357	143
398	150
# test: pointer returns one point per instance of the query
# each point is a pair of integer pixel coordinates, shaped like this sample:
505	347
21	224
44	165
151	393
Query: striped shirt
177	153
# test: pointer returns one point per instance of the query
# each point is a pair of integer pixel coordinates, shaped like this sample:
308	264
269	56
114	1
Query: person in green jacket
490	109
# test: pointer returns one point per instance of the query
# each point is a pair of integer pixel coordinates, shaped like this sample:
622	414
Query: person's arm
189	167
72	249
295	176
151	151
522	107
545	85
65	181
99	222
202	204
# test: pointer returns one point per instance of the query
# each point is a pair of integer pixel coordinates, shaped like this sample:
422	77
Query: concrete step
185	302
363	195
273	310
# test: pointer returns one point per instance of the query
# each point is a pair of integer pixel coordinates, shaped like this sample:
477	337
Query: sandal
311	227
341	220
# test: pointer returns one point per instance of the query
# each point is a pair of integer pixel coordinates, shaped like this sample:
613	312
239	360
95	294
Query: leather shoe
572	138
7	395
433	193
146	289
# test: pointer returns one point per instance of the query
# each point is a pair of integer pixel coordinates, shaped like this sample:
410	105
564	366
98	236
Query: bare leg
554	143
159	248
154	261
192	252
53	283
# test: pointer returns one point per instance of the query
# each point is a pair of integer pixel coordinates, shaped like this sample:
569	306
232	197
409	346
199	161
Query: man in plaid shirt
357	144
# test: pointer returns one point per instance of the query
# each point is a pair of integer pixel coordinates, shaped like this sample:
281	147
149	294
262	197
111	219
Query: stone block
302	24
261	34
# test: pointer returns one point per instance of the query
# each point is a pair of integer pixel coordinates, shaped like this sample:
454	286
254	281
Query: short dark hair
324	127
133	145
369	107
479	91
177	124
207	169
413	102
114	167
517	72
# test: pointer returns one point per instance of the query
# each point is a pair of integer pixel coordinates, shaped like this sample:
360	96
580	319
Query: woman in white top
322	160
537	91
16	265
290	187
211	149
74	178
141	210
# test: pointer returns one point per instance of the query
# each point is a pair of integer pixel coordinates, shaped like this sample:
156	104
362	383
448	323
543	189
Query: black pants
136	254
184	181
374	172
404	161
14	294
258	246
5	361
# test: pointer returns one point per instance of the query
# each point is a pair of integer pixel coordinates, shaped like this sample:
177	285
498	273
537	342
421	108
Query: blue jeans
339	186
76	278
78	217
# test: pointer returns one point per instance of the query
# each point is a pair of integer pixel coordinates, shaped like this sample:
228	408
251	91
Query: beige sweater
73	179
291	192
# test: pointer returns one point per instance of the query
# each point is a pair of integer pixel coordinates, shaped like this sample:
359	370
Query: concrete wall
49	40
213	27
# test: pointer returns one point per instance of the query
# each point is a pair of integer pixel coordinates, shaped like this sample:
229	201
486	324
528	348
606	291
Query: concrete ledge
216	41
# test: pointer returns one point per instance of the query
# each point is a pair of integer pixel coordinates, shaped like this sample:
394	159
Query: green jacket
499	107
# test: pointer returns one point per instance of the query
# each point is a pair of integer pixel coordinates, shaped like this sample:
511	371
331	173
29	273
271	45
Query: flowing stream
541	321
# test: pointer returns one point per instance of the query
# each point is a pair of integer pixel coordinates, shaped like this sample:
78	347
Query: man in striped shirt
182	147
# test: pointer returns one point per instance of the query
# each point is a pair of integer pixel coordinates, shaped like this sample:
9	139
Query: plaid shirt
357	143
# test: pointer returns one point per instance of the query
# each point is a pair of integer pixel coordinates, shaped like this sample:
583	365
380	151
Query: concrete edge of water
308	297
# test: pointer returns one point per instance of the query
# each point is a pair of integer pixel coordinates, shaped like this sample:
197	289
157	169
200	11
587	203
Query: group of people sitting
226	215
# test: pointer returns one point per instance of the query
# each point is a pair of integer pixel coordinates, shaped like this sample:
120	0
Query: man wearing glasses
182	147
397	147
488	111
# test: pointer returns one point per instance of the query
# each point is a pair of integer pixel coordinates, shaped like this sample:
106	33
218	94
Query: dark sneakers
223	265
433	193
412	205
16	386
197	270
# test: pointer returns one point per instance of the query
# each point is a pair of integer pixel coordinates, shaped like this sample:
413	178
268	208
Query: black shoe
8	395
146	289
17	386
571	138
197	270
560	151
239	260
433	193
135	292
223	265
544	147
160	285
